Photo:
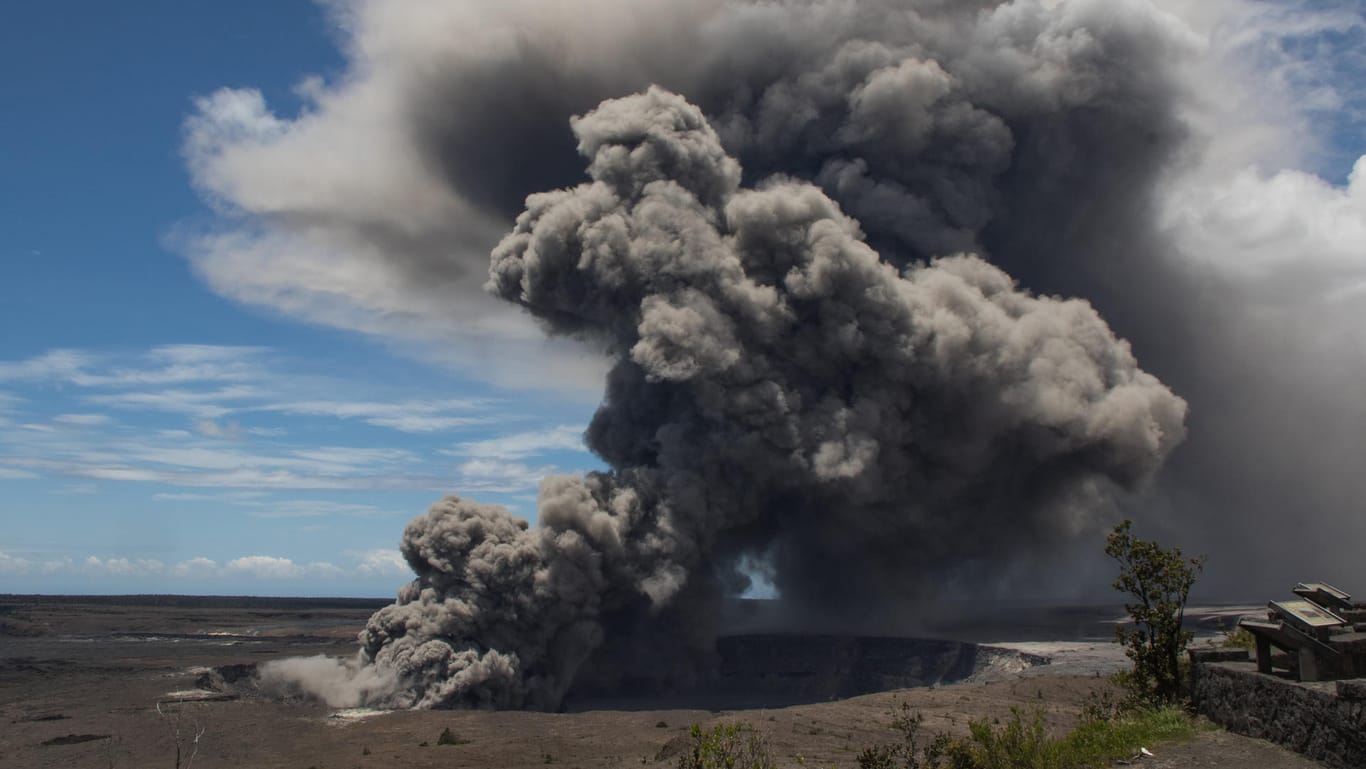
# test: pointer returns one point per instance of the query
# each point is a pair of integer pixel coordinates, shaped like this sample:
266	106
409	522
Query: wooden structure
1321	634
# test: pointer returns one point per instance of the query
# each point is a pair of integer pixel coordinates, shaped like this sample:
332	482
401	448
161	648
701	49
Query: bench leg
1309	665
1263	655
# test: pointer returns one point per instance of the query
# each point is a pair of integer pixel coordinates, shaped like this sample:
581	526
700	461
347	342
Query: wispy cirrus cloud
163	365
185	460
200	404
254	567
253	427
318	508
525	444
499	465
263	477
496	476
410	416
208	383
83	420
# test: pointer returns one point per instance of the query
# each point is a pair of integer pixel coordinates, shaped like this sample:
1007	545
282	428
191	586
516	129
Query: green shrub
726	746
1015	745
908	751
1239	638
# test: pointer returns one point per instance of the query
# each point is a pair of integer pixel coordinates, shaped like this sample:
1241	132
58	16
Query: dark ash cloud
823	244
779	393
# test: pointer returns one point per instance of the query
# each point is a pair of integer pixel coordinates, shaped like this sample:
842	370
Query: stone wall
1324	720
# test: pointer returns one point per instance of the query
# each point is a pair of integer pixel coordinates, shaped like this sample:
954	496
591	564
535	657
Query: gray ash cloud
823	244
780	393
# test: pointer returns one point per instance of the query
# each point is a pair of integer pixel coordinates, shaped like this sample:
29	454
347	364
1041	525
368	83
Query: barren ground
80	684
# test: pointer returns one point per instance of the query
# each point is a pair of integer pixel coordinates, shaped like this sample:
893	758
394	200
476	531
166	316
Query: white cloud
523	445
261	476
314	508
61	365
226	117
164	365
350	458
335	193
124	567
82	420
1271	80
15	474
381	563
371	563
258	504
265	567
413	416
195	567
1256	224
210	404
211	429
17	565
491	475
233	497
272	567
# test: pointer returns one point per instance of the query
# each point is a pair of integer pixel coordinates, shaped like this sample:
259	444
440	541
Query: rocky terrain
106	683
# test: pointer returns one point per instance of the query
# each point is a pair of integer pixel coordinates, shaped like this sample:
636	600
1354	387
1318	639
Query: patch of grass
449	737
1097	742
1023	743
1239	638
1107	733
662	725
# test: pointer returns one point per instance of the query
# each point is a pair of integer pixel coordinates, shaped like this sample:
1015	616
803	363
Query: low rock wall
1324	720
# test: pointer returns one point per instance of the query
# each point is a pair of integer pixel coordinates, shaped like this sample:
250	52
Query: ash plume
820	243
779	392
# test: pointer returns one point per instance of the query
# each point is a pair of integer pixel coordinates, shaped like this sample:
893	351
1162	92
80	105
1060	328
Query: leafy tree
1158	580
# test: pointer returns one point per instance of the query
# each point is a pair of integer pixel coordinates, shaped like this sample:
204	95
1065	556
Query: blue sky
148	425
194	400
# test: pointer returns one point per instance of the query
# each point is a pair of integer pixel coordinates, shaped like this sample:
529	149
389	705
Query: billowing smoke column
780	394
